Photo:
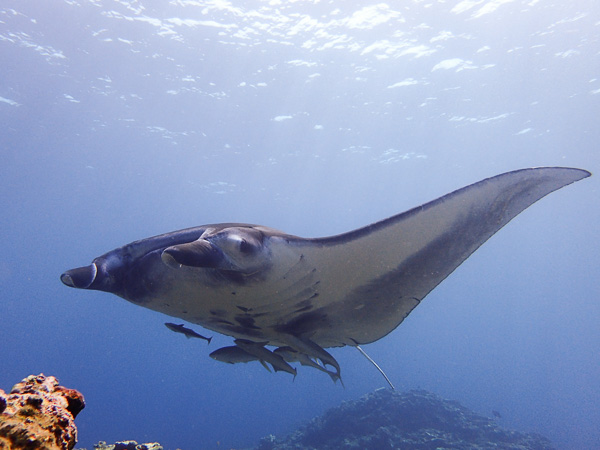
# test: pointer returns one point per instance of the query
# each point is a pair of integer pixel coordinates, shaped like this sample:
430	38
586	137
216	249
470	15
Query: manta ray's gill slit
300	260
285	294
218	321
305	305
243	308
300	287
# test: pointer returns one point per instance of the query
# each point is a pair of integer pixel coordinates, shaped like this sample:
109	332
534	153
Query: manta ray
266	288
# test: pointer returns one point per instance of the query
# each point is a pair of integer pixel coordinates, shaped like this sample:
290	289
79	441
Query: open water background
126	119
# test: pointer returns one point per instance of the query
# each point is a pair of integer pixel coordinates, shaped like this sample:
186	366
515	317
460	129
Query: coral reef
386	419
38	414
126	445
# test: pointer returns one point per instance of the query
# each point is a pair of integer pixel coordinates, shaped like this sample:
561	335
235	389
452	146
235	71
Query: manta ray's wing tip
573	173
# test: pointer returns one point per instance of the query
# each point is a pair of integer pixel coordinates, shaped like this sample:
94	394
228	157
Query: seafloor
417	419
387	419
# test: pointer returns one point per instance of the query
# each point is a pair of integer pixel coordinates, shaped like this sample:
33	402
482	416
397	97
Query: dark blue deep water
125	119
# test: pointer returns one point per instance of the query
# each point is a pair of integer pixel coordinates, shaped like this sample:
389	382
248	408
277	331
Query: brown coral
38	414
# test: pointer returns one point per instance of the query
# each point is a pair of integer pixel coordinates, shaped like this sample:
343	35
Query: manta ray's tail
376	365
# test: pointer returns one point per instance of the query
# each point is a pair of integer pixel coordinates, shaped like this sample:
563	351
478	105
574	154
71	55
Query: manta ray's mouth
81	278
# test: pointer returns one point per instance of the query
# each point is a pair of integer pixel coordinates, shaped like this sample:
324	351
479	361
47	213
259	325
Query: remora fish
185	331
234	354
264	354
290	355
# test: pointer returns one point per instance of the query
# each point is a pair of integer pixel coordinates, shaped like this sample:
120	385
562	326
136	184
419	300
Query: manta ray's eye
242	243
246	247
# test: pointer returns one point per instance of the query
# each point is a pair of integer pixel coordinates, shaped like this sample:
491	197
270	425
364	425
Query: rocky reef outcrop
126	445
38	414
417	419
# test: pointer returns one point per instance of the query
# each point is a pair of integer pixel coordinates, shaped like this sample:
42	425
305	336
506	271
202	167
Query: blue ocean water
126	119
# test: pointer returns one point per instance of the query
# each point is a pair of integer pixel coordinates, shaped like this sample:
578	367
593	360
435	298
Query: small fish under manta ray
186	331
268	288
